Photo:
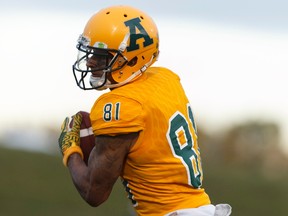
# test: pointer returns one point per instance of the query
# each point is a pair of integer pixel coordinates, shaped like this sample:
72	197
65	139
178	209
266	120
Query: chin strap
133	76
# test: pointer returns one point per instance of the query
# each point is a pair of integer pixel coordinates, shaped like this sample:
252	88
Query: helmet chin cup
97	82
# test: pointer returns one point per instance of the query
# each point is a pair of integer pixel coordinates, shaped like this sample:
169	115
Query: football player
144	128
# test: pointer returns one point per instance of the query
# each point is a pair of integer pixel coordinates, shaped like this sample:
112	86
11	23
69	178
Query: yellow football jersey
163	170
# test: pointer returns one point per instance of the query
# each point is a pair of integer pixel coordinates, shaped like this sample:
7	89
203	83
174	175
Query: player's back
163	169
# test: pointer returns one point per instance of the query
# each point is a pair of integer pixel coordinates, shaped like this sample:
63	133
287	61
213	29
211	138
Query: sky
231	57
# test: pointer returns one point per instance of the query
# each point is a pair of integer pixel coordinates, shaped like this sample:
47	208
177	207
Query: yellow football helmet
126	38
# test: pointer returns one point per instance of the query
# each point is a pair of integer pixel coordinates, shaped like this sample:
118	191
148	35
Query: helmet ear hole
132	62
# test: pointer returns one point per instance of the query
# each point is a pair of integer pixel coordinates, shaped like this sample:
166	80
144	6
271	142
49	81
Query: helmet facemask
93	67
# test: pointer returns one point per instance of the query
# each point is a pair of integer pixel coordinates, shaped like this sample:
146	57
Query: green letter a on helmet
133	24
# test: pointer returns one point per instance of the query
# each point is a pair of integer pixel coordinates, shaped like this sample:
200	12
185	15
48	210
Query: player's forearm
93	194
79	174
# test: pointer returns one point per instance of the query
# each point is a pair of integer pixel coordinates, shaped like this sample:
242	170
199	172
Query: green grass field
38	184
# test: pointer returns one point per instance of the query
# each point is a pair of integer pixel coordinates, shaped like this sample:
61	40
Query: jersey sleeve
115	114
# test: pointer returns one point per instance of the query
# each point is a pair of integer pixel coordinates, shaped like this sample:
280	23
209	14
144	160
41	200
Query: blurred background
231	57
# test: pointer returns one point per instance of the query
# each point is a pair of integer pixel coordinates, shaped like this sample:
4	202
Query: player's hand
69	140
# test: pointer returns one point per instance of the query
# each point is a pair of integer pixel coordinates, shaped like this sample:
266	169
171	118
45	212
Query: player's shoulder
116	103
116	114
163	71
120	95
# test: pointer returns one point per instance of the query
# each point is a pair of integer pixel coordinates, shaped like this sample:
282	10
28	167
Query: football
87	138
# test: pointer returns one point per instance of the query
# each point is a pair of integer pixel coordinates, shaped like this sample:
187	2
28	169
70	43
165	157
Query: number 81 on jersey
182	144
